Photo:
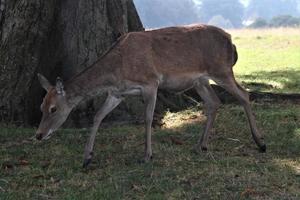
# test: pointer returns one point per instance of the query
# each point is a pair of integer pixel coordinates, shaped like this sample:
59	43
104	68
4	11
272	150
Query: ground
233	168
269	60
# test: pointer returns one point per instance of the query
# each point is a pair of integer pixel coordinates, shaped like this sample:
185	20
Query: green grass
269	60
232	169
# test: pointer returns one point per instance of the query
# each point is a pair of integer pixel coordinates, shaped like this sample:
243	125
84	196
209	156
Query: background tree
54	37
269	8
284	21
259	23
157	13
219	21
231	10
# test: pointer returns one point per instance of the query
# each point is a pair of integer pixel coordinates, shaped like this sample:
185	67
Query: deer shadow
286	81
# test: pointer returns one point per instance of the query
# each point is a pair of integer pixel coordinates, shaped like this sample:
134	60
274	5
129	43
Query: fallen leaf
135	187
193	116
248	192
23	162
38	176
45	164
7	165
176	141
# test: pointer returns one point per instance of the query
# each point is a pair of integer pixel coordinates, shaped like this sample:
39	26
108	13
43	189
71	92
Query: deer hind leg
211	103
242	96
149	95
110	103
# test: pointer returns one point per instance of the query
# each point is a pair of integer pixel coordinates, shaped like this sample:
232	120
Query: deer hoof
198	149
204	149
86	162
148	158
145	160
263	148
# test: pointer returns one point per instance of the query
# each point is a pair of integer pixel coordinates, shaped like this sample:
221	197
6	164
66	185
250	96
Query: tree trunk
53	37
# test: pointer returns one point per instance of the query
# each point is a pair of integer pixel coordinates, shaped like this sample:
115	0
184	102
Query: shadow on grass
283	81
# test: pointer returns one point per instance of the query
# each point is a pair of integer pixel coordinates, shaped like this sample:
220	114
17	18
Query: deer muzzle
39	136
43	136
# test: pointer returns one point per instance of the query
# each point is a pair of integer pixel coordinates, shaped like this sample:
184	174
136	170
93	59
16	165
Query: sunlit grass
269	59
293	164
178	119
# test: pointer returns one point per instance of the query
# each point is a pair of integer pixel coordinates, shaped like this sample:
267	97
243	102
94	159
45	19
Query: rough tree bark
53	37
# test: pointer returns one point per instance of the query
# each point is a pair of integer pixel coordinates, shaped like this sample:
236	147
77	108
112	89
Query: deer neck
91	82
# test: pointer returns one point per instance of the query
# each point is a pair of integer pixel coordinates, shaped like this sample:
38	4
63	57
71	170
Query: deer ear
44	82
59	86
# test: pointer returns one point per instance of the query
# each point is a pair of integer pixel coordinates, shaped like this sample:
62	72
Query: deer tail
234	55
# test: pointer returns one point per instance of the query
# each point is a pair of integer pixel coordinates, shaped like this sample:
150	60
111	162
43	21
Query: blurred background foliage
223	13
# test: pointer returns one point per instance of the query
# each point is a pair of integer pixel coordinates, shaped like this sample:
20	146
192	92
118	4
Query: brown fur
49	99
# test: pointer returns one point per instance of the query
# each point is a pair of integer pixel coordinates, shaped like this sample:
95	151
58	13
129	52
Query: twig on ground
192	99
3	180
212	157
44	196
233	139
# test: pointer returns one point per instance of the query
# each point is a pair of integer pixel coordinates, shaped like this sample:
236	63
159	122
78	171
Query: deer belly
179	83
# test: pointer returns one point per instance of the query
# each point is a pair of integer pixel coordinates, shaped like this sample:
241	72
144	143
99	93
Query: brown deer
174	59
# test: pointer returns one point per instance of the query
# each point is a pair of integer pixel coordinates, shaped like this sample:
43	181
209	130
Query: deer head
55	108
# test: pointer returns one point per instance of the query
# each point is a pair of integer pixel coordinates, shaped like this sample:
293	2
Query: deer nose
39	136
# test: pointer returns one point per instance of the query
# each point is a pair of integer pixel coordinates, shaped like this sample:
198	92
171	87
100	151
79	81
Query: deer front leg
110	103
149	95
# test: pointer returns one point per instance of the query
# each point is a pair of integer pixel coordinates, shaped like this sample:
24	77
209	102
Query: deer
175	59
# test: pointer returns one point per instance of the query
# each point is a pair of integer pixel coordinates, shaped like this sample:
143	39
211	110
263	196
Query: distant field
269	59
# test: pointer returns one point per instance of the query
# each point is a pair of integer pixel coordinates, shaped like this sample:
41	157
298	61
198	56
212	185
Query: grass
269	60
232	169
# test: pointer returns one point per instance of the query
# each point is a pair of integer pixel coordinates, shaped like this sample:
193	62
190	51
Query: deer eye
53	110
